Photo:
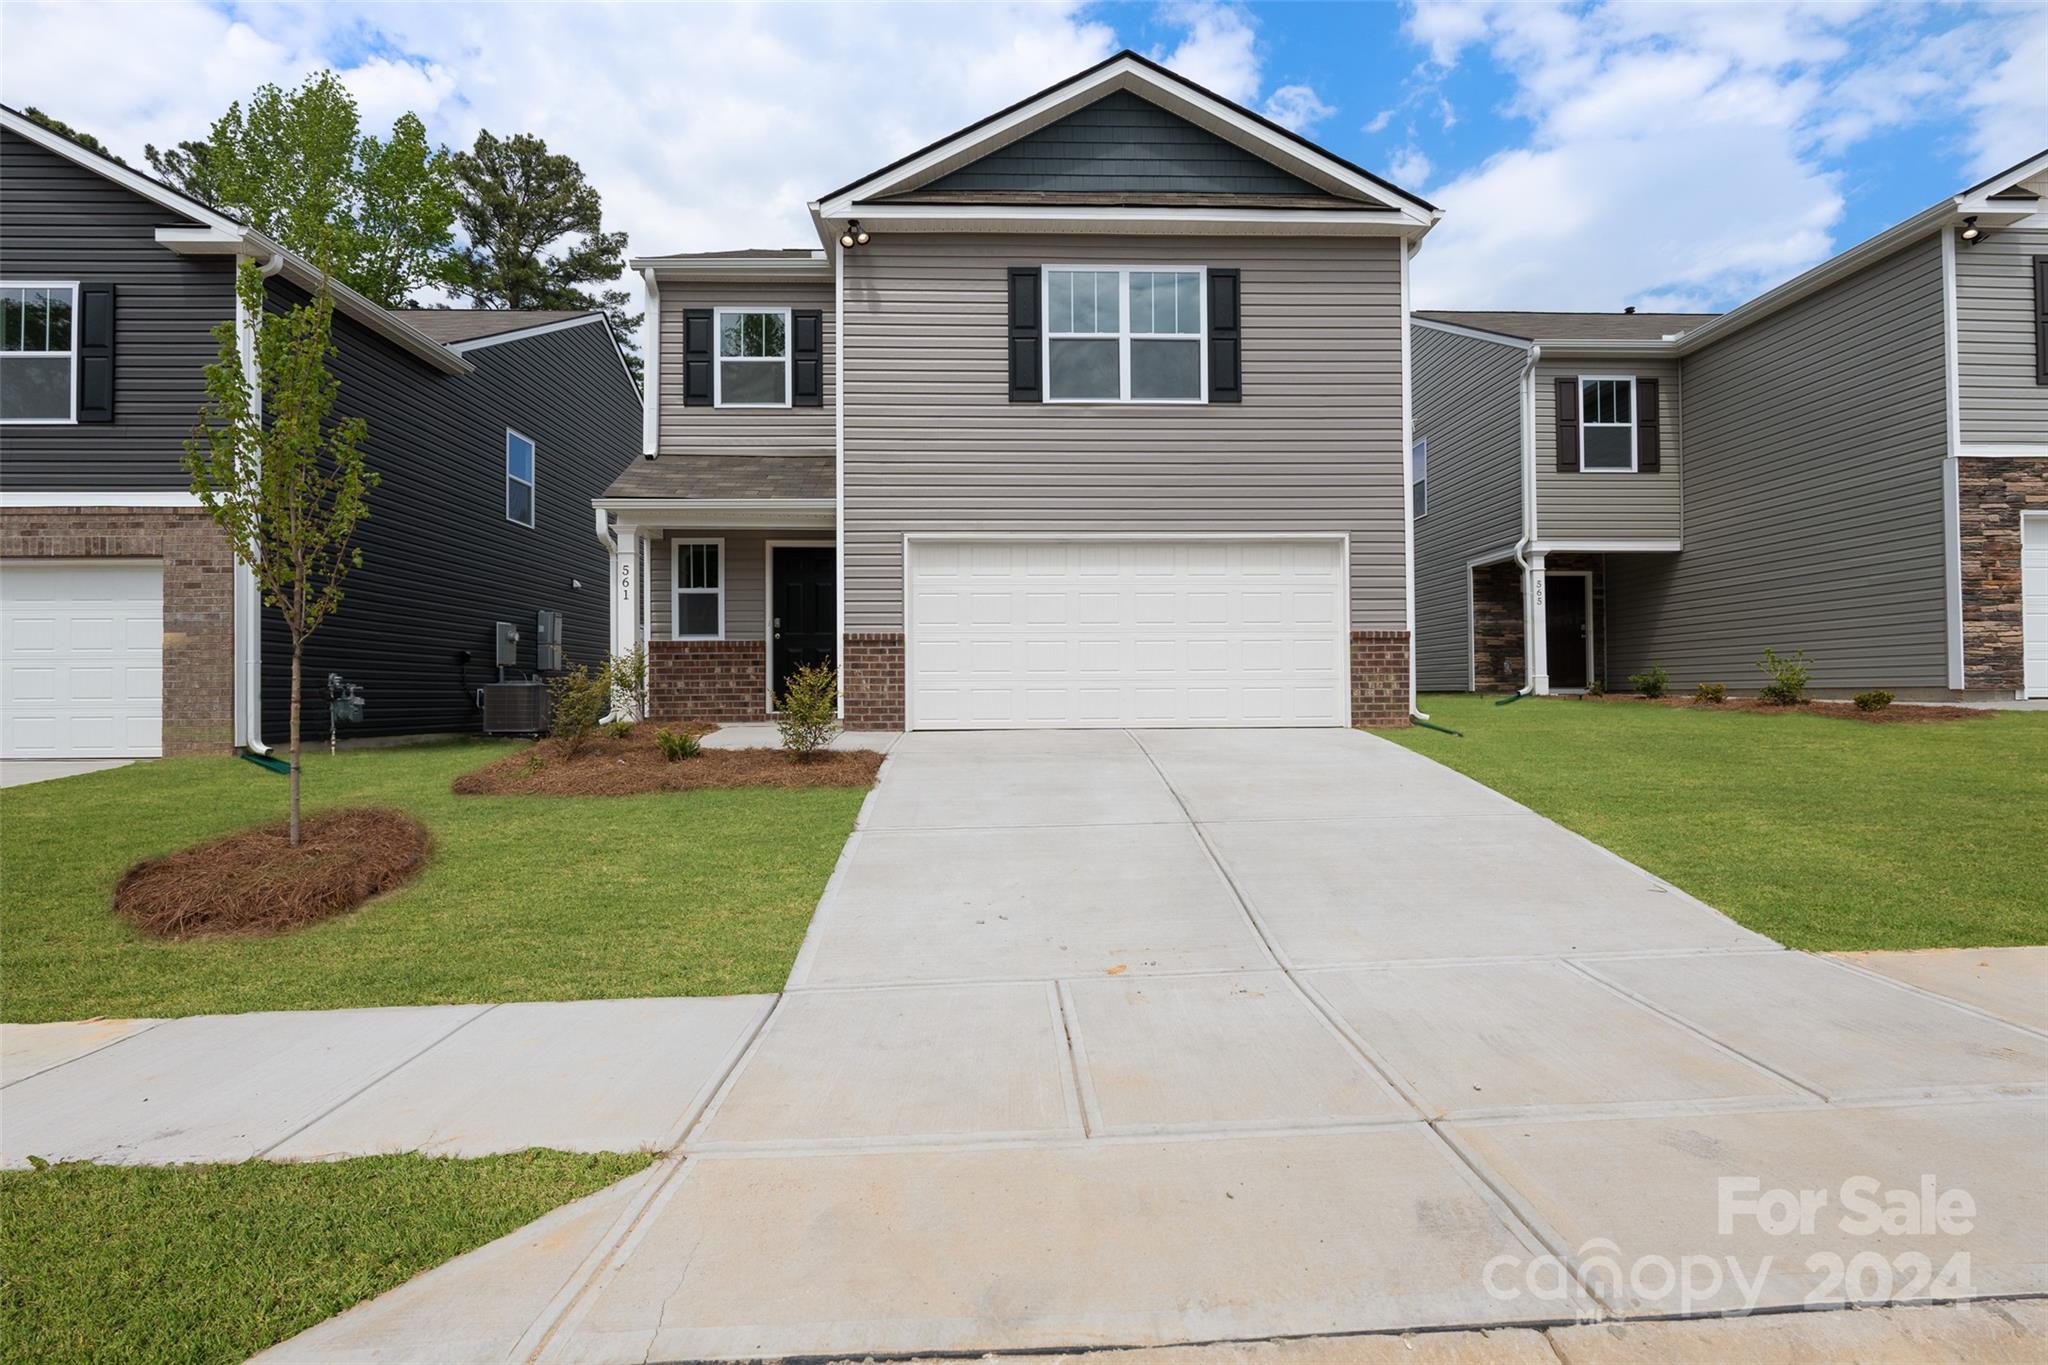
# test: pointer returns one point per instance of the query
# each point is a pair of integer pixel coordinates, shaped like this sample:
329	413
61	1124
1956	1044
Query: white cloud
1219	50
1297	107
1410	168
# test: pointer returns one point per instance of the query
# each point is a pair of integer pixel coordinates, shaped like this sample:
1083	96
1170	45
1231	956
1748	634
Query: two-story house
126	626
1854	464
1090	414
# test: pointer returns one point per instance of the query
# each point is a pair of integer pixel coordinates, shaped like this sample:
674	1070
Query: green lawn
527	898
1823	833
213	1263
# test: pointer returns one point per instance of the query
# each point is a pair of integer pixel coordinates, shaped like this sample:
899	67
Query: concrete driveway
1127	1038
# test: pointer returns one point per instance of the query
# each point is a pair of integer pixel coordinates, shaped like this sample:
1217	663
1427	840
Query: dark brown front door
803	625
1564	613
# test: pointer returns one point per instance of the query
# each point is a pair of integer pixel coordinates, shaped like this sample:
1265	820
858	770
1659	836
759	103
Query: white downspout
1528	394
248	599
1407	249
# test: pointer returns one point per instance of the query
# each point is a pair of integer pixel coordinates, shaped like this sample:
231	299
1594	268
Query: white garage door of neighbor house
1008	634
2034	601
81	658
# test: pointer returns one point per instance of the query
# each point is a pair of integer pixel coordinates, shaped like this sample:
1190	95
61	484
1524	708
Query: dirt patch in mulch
1898	713
255	883
635	765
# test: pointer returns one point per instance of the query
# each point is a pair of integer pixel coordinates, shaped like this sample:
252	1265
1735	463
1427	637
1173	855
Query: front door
1568	630
803	628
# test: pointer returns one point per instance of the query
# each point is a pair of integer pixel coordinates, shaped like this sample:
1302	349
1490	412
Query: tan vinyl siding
743	431
1608	506
746	577
934	445
1813	496
2001	400
1467	405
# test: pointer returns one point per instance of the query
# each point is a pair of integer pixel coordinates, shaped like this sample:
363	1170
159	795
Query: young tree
518	201
281	475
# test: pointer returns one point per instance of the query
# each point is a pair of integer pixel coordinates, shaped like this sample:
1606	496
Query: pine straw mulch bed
256	883
1898	713
635	765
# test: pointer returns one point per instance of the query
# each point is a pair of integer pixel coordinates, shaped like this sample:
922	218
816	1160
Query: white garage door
81	658
2034	600
1014	633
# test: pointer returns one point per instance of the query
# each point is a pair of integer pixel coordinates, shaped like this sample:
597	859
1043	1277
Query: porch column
626	589
1535	627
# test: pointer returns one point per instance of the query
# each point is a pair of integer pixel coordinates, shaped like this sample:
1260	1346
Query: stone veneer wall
1991	495
1497	628
1379	678
723	681
199	599
871	682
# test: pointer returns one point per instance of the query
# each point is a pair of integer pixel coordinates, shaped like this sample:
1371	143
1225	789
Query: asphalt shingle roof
470	324
728	476
1572	326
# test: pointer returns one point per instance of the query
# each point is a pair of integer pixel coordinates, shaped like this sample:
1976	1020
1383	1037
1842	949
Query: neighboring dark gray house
1854	464
126	628
1091	414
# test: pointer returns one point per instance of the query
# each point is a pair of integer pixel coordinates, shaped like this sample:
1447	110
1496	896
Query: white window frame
72	418
718	357
676	590
1418	476
1634	417
1200	336
532	484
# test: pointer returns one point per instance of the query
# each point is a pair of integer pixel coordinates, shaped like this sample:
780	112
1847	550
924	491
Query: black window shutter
1226	351
697	357
1649	428
1568	425
1026	386
95	326
807	358
2041	319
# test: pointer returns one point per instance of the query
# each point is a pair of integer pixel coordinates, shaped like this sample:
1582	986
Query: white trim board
1458	329
88	498
1618	547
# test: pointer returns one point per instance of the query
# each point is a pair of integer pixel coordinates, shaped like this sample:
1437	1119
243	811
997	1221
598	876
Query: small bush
1597	688
1789	674
675	746
809	717
579	702
1874	700
620	729
1710	694
1654	683
626	676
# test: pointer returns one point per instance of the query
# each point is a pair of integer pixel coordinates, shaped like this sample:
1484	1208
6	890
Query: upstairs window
753	359
699	576
1607	423
38	352
1124	335
518	478
1418	476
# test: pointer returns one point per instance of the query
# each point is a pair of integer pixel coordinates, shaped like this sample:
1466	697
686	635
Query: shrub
810	703
1789	675
677	746
626	676
579	702
1874	700
1653	683
1711	694
620	728
1597	688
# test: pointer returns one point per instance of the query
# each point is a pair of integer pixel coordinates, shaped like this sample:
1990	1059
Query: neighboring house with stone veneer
1854	464
126	628
1091	414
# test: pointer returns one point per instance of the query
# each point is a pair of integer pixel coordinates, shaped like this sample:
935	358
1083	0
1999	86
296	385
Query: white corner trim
1406	250
650	391
838	378
94	498
1951	474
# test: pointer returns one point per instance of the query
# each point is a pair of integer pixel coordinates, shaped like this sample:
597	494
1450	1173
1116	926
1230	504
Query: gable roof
1536	326
1353	199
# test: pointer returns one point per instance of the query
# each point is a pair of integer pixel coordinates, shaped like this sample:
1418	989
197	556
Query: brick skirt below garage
199	600
1379	678
1991	494
872	679
720	681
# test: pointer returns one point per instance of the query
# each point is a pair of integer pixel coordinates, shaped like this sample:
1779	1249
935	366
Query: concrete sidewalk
1102	1039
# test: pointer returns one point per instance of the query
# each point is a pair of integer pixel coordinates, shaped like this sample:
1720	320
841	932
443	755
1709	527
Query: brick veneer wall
1379	678
199	599
1498	661
723	681
1991	495
871	682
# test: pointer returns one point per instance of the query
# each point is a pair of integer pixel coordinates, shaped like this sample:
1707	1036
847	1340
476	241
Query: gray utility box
519	708
548	640
508	645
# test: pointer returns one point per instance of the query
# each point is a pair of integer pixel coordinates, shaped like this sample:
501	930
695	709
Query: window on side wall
1607	423
1418	476
38	352
519	478
1124	335
698	572
753	359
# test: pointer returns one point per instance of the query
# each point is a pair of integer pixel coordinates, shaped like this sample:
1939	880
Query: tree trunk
298	647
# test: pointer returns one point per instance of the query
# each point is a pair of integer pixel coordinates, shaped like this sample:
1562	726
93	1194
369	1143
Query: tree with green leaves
187	167
536	237
281	474
63	129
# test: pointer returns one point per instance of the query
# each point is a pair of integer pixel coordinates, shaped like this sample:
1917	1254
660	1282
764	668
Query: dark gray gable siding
441	564
61	221
1122	143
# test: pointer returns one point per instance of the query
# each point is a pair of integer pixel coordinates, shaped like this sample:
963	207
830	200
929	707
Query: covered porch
1544	623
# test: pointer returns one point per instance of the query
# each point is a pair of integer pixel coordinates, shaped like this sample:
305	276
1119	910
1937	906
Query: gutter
1528	537
248	600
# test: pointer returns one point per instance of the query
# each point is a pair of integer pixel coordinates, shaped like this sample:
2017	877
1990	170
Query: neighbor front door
803	628
1569	628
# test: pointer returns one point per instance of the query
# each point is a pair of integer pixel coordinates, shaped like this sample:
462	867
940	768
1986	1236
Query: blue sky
1587	154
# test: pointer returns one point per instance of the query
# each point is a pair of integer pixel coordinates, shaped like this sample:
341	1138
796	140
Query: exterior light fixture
853	234
1972	234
